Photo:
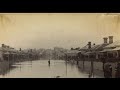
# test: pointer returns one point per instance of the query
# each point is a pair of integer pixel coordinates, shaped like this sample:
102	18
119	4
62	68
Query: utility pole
66	68
89	49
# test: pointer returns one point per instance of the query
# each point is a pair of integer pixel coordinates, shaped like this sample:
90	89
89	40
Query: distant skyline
66	30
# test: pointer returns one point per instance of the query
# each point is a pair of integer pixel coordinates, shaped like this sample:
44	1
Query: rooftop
113	45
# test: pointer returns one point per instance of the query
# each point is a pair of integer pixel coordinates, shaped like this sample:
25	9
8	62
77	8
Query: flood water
41	69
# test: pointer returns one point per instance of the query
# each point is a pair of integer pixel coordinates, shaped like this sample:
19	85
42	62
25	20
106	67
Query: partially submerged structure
97	52
8	53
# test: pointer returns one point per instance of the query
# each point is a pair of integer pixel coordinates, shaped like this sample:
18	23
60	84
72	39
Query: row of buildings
8	53
56	53
107	51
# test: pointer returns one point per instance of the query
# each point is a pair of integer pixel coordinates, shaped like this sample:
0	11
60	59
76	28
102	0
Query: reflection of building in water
4	67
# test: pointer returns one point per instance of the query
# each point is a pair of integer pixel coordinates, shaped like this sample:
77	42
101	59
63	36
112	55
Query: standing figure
49	62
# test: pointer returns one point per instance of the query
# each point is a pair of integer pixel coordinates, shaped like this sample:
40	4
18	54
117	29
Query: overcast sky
62	30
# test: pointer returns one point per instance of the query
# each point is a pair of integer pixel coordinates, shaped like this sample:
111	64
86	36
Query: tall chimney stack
93	43
110	39
3	45
105	40
20	49
89	45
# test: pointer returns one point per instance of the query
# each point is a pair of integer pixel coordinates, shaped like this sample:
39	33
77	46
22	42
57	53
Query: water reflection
42	69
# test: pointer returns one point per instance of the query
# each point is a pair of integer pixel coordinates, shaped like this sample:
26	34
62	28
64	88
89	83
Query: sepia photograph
59	45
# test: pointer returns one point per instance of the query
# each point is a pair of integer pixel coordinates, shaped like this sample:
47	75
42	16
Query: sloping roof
86	47
72	52
95	47
107	50
7	49
115	44
117	48
99	46
7	53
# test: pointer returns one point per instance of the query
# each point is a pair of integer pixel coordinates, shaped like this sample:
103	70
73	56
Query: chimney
20	49
3	45
110	39
105	39
89	45
71	48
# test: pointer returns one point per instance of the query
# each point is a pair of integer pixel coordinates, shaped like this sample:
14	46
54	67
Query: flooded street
41	69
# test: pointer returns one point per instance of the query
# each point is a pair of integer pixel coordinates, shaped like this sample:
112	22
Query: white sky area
43	30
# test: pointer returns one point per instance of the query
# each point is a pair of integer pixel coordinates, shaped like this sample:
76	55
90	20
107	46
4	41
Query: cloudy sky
65	30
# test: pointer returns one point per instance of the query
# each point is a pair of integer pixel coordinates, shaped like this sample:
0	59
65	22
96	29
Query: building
72	54
112	51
